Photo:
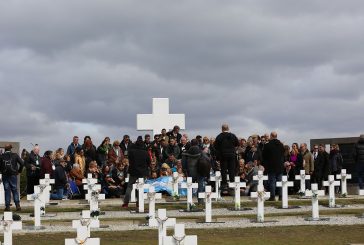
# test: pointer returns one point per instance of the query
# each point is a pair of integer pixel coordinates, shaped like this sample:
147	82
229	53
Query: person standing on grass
273	162
11	166
225	146
139	162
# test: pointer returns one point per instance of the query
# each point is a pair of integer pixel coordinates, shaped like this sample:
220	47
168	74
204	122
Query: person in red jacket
46	165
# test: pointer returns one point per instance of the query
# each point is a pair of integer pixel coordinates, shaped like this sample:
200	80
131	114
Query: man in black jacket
225	146
273	159
139	162
359	159
321	163
32	165
11	166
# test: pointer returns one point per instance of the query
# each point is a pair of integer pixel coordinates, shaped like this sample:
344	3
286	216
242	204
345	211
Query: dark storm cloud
89	67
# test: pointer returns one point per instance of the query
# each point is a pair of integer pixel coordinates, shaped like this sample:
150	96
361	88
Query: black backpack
8	167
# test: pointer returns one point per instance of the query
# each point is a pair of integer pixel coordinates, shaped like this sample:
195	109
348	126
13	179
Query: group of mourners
151	158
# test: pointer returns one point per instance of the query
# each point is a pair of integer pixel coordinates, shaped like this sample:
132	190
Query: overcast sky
88	67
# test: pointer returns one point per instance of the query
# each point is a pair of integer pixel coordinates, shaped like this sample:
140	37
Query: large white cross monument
160	118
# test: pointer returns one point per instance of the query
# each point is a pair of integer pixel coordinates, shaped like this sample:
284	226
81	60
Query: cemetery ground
313	235
126	228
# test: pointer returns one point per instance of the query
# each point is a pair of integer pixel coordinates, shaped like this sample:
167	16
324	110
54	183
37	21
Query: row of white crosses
41	197
343	177
8	225
93	192
179	237
83	227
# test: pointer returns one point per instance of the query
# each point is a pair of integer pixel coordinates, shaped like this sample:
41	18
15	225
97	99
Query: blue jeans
10	186
59	194
360	171
272	181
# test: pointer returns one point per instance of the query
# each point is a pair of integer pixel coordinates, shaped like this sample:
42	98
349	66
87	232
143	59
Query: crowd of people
112	161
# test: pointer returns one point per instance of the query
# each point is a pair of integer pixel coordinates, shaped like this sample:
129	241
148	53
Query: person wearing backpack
11	166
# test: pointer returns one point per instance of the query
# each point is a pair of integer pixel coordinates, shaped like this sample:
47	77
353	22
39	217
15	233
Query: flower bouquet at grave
192	206
176	197
344	195
95	214
301	193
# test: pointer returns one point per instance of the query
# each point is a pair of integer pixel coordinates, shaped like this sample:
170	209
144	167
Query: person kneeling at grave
61	183
76	175
119	174
108	184
11	167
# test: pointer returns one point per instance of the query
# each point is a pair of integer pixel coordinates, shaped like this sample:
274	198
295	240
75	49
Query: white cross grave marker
39	202
343	176
8	225
152	196
361	192
314	193
208	195
260	177
260	195
217	179
94	196
82	238
189	186
132	194
89	184
180	237
302	177
284	184
237	185
331	183
47	181
160	118
140	186
175	181
86	221
2	191
162	221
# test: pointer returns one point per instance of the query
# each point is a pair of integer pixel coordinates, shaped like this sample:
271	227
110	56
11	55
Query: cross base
194	210
180	200
316	219
239	209
335	206
360	216
212	222
34	228
289	207
262	222
137	212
